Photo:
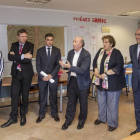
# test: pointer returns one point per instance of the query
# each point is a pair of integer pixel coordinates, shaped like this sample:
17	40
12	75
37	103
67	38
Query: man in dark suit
22	72
135	59
47	60
78	63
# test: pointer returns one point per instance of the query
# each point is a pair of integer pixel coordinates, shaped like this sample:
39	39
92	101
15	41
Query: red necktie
19	66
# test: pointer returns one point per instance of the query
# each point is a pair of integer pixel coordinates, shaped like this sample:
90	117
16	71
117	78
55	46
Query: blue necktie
48	54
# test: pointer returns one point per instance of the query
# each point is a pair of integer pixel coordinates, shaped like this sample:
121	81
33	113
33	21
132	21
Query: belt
19	70
73	76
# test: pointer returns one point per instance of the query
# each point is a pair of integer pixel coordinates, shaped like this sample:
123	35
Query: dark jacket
82	69
135	66
52	67
116	81
26	64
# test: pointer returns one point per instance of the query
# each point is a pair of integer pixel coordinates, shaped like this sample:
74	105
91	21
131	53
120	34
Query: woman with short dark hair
110	79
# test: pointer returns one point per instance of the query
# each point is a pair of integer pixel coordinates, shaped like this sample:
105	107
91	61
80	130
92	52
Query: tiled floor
48	129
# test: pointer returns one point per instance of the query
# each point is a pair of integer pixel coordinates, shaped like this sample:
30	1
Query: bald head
137	36
78	43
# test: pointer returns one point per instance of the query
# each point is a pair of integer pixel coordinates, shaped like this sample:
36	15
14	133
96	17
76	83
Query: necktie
48	54
20	50
139	59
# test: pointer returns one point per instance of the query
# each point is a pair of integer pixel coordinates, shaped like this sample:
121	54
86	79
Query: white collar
78	51
48	47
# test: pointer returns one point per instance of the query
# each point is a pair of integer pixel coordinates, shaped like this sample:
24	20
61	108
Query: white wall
122	28
124	31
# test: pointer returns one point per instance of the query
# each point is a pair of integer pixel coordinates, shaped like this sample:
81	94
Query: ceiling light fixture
38	1
132	12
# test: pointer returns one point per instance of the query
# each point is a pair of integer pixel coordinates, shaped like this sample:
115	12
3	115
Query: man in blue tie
47	60
135	59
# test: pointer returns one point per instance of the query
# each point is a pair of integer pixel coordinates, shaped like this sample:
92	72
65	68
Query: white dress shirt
75	59
47	50
138	50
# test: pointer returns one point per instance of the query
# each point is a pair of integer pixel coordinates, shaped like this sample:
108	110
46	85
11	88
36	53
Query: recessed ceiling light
38	1
132	12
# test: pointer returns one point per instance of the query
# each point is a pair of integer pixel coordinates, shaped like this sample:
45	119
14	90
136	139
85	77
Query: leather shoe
111	128
97	122
56	118
80	125
23	121
134	132
8	123
39	119
65	125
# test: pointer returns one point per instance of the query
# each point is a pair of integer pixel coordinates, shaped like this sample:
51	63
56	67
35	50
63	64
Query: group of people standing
108	77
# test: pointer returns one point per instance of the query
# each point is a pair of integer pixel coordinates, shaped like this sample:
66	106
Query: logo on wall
85	19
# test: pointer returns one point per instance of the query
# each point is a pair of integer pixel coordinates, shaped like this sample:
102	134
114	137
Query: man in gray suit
78	63
135	59
47	60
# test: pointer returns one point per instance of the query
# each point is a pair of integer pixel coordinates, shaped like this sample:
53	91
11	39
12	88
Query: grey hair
83	42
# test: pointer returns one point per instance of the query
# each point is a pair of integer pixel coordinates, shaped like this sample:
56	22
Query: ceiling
107	7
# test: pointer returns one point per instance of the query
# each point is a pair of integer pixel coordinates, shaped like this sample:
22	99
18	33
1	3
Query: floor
48	129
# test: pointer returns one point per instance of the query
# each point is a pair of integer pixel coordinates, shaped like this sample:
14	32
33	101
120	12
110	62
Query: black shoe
111	128
65	125
8	123
23	121
56	118
80	125
134	132
39	119
97	122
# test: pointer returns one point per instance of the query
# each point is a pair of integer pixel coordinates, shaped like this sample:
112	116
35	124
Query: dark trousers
43	94
19	84
73	96
137	105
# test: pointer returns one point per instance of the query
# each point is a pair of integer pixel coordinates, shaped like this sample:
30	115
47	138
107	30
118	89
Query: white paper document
44	74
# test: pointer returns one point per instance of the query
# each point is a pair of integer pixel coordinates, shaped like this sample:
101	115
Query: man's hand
67	65
102	76
61	63
45	78
49	77
12	53
28	55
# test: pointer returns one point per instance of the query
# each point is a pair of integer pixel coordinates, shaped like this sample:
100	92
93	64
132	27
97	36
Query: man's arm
26	56
18	57
38	64
57	66
130	54
13	57
84	66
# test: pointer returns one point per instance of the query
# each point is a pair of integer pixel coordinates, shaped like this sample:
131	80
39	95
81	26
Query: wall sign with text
85	19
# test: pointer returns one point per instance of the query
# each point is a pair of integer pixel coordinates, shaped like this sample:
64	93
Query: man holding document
47	65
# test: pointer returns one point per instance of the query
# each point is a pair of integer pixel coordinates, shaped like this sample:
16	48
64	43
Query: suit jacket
82	70
135	66
52	67
26	64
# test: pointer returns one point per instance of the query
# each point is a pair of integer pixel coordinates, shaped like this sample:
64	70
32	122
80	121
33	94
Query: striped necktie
19	66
